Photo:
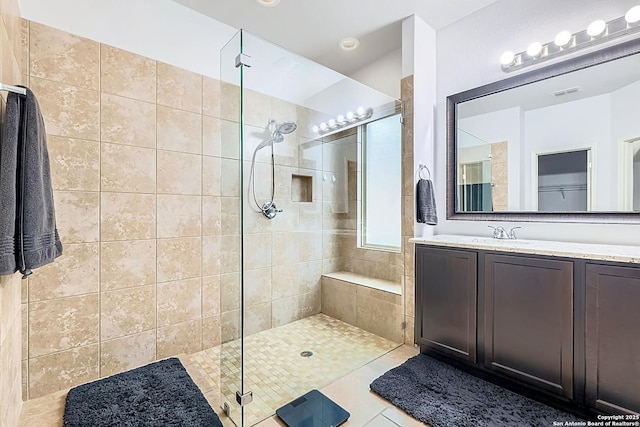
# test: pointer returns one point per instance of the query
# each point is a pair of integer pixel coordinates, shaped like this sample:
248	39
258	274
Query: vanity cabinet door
446	283
613	338
528	321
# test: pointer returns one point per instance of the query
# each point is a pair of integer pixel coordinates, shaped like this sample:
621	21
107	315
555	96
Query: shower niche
301	188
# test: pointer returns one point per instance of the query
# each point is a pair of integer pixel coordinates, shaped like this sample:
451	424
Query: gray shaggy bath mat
158	394
443	396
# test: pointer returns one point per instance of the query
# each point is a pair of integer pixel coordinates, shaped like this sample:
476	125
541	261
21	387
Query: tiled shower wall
408	208
134	149
11	64
397	267
146	179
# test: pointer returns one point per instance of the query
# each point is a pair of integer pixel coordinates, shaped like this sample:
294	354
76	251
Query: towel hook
422	168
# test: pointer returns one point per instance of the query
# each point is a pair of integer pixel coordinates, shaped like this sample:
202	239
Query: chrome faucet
512	232
500	232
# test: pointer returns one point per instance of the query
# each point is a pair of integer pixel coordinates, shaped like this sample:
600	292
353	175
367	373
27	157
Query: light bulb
323	126
332	123
596	28
340	119
350	116
315	129
360	111
507	58
534	49
563	39
633	15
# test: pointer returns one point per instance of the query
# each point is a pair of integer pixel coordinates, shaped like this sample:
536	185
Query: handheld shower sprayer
278	130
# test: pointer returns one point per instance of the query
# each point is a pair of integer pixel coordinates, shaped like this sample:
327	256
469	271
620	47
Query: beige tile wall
370	309
283	257
408	215
134	149
499	175
11	66
146	177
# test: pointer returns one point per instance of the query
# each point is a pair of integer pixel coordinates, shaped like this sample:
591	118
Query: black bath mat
159	394
443	396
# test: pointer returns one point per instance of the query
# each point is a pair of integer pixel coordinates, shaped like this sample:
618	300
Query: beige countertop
617	253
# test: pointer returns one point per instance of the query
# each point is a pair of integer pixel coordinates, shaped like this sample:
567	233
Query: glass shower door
231	208
285	214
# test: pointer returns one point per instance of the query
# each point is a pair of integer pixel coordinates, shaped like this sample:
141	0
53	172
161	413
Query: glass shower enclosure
285	203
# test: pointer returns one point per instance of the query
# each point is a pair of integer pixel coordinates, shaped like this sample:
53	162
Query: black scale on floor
314	409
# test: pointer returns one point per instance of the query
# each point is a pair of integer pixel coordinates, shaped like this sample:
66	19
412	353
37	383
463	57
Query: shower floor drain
306	353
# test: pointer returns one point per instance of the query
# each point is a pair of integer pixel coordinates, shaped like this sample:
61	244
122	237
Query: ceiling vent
566	91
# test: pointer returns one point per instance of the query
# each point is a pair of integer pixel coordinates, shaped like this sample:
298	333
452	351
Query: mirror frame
611	53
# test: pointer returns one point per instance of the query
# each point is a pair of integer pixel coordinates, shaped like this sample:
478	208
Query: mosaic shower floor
276	372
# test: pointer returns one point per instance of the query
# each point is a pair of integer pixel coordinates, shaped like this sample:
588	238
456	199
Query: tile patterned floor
275	371
346	359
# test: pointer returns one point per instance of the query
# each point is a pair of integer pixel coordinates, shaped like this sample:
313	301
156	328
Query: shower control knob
270	210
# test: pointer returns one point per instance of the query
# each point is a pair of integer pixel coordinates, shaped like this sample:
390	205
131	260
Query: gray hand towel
36	240
8	185
426	202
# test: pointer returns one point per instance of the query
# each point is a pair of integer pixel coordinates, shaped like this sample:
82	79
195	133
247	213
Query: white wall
383	74
418	59
573	126
636	186
625	124
468	53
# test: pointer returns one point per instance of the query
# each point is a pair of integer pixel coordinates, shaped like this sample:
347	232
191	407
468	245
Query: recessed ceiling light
349	43
268	3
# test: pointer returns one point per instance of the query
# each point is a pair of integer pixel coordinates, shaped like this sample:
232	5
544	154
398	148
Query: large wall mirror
561	143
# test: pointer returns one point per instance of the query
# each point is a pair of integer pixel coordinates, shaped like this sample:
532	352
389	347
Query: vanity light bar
564	43
343	120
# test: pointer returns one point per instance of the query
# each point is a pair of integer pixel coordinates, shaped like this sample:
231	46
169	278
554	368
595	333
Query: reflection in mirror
562	139
482	174
563	181
629	174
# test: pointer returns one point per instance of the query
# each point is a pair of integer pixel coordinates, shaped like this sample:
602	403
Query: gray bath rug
443	396
158	394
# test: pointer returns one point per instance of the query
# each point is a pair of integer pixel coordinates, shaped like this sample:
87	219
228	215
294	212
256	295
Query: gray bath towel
426	202
28	222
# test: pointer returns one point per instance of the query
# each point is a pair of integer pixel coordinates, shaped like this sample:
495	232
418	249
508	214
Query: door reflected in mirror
563	181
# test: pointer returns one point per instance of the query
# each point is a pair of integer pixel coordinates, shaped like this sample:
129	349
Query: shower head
285	128
277	133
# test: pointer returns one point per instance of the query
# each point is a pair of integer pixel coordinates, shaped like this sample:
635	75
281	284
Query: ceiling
312	29
593	81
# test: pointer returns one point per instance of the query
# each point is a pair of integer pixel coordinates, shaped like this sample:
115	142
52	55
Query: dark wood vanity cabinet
447	301
528	320
613	338
550	326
